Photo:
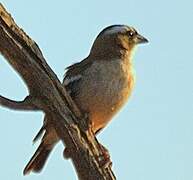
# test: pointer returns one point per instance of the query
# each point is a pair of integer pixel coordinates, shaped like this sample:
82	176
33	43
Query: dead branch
46	93
26	104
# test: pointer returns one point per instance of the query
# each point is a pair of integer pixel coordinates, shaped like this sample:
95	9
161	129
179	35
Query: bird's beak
140	39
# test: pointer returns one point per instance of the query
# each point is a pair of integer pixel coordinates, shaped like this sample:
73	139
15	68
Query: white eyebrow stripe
71	79
115	29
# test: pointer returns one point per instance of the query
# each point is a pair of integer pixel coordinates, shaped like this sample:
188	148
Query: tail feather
39	134
38	160
48	142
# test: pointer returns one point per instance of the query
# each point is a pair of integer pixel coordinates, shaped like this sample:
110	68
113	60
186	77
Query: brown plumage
100	84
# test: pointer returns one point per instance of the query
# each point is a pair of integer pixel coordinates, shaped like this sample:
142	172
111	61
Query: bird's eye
130	33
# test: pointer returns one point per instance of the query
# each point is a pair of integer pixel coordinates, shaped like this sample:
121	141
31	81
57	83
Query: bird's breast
104	89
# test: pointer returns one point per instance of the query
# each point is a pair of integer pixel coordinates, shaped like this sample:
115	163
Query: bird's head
115	39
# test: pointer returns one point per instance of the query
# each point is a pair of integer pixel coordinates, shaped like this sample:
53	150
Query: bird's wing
74	75
77	68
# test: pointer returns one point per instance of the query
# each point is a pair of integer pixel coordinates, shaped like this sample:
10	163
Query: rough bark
47	94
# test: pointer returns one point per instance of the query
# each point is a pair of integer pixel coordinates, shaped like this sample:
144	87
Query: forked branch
27	104
46	93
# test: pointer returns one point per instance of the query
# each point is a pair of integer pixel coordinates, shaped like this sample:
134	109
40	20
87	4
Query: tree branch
26	104
48	94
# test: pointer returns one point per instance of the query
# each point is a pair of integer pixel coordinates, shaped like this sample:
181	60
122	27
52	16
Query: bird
100	85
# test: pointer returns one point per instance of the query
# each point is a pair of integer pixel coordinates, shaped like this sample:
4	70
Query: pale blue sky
152	137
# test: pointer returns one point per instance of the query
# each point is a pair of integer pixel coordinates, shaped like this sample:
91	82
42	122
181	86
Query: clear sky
152	137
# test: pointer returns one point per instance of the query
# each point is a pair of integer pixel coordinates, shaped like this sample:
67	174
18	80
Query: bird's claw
104	159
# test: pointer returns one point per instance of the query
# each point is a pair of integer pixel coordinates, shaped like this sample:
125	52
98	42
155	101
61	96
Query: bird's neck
112	53
127	55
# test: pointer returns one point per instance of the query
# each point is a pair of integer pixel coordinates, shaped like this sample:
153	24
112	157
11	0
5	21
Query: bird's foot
104	159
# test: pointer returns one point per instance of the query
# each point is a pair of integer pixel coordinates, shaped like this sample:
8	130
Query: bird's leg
104	159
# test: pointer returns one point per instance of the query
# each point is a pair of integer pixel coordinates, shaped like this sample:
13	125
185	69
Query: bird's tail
38	160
